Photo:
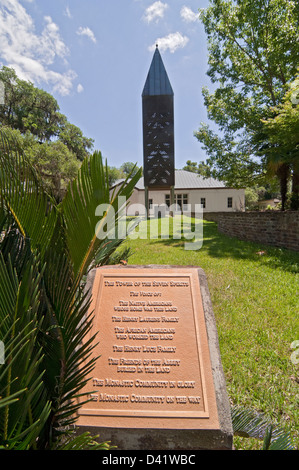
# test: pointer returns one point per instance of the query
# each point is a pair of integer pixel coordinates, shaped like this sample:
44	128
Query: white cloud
80	88
51	44
172	42
32	56
188	15
155	11
87	32
67	12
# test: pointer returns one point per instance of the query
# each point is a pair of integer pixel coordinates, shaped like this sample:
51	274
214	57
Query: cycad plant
250	424
46	251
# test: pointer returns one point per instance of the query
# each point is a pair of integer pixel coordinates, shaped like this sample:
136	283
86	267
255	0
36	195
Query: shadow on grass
218	245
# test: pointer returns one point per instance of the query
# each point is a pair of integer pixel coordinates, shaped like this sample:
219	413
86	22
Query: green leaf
46	249
88	191
23	196
22	409
249	423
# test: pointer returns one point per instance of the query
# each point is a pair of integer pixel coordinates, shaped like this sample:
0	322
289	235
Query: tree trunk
295	188
57	187
283	175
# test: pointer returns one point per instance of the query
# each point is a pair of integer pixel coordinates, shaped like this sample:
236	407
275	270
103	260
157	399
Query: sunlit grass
255	299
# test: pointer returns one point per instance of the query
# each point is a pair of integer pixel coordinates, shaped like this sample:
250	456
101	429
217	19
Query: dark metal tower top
158	127
157	82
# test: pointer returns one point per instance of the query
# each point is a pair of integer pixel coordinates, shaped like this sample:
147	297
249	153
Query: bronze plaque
154	369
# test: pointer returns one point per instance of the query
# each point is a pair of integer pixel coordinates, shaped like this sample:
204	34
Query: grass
255	295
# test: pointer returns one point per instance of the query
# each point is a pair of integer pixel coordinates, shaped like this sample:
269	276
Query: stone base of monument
158	383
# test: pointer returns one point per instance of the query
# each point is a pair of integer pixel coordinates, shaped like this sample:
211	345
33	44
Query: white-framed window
180	200
203	202
150	203
185	201
229	202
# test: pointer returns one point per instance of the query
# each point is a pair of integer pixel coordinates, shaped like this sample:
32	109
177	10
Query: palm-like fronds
24	409
82	442
24	198
248	423
79	207
46	250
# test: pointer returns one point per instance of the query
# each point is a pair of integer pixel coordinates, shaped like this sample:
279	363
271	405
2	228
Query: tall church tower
158	129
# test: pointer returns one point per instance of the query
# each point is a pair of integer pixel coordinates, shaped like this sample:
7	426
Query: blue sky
93	56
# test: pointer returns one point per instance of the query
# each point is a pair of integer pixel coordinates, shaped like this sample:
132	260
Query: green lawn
255	299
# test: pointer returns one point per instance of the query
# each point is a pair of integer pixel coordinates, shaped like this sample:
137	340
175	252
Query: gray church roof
189	180
157	82
186	180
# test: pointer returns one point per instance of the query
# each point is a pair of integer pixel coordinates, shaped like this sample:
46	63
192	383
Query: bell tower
158	130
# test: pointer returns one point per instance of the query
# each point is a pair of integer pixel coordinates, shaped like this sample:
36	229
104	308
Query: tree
204	169
125	170
114	174
283	132
128	168
29	109
251	198
73	138
253	55
190	166
201	168
54	162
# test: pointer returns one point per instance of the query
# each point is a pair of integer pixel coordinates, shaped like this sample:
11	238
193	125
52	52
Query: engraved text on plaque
154	368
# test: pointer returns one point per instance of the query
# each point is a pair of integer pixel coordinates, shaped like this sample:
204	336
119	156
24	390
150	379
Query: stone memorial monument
158	383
